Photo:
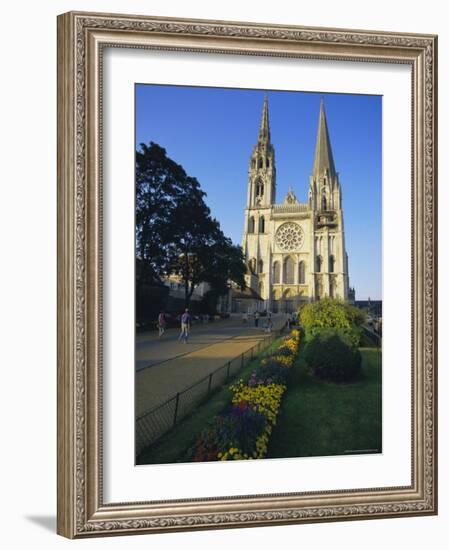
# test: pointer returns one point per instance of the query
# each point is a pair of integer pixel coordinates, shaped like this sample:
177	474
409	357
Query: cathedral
295	251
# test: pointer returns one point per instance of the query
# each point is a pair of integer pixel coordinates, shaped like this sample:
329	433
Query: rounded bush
331	355
330	313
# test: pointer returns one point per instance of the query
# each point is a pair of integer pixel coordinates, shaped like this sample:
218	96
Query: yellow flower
265	399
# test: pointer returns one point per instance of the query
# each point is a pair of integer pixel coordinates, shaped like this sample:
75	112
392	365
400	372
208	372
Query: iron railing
154	423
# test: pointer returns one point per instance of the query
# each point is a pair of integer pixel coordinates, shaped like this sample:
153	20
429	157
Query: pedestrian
245	318
161	323
256	319
269	324
289	320
185	326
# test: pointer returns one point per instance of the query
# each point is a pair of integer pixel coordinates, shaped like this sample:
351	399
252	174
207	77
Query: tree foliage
331	355
332	313
160	183
175	232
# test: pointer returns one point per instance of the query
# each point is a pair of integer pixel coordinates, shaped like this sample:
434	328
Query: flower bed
243	429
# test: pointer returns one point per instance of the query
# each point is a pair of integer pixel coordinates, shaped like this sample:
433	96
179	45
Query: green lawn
173	445
321	418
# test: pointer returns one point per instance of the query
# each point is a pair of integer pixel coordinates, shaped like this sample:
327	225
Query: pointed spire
264	132
323	152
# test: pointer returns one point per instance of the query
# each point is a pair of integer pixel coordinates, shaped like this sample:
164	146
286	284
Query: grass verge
322	419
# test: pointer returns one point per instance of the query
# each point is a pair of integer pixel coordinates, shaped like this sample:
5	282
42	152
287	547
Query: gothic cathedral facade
295	251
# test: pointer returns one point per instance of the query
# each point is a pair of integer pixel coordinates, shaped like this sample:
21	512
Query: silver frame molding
81	38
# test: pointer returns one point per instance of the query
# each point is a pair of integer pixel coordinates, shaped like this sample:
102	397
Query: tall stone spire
264	132
262	169
323	152
324	189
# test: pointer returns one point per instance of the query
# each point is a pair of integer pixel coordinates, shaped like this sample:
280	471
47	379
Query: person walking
289	320
161	323
269	324
185	326
256	319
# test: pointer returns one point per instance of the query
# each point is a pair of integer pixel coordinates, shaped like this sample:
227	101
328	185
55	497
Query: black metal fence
152	424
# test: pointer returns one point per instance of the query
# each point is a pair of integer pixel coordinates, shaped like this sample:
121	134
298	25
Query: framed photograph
247	274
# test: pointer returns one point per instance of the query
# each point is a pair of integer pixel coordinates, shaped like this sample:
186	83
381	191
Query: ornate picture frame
82	38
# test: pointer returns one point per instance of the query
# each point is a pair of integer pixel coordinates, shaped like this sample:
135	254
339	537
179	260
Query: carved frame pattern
81	37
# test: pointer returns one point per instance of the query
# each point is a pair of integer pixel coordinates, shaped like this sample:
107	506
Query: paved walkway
151	350
175	366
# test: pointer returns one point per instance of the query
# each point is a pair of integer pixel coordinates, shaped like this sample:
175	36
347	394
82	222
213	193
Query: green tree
204	253
225	263
175	232
193	233
332	313
160	183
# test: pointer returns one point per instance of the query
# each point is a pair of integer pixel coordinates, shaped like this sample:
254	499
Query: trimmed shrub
331	355
335	314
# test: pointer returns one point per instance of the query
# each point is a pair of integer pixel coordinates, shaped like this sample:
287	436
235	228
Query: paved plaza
166	366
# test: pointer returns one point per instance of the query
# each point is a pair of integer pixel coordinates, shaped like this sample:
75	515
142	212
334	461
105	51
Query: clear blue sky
211	133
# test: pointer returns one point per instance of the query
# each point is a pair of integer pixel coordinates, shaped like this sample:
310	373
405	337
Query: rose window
289	236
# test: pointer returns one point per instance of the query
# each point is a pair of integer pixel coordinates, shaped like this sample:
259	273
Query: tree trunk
186	282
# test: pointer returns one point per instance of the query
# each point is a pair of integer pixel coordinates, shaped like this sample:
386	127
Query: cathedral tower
294	251
330	258
324	189
261	197
262	169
